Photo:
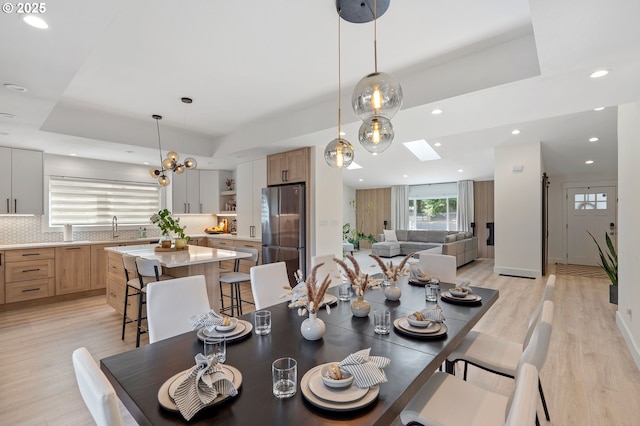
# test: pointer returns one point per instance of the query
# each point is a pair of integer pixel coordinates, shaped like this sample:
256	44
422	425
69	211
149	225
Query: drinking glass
382	322
216	347
284	372
344	293
431	290
263	322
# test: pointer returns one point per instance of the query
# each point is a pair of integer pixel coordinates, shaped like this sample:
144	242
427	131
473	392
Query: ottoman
386	249
347	247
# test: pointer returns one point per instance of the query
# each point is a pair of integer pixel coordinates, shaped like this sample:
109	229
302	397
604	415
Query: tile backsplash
28	229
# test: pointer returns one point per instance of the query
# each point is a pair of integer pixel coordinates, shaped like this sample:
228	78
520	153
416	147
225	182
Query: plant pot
166	241
360	308
312	328
392	292
181	243
613	294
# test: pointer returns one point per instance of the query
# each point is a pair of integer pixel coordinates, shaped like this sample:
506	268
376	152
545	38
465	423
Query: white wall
628	229
348	212
326	206
517	210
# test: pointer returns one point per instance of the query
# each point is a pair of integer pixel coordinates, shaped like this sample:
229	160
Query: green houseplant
168	224
609	263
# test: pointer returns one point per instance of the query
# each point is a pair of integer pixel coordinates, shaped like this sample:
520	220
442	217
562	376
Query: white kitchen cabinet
251	177
212	183
186	192
21	182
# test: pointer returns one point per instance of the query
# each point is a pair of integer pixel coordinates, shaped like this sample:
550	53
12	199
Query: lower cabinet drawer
29	270
28	290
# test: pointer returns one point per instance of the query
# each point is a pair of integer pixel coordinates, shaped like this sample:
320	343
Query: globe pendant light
339	152
376	134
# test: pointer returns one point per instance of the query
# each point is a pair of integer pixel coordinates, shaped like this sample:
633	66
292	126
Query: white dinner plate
404	323
243	328
469	298
369	397
408	329
349	394
167	402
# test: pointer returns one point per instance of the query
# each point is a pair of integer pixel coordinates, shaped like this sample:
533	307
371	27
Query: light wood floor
589	378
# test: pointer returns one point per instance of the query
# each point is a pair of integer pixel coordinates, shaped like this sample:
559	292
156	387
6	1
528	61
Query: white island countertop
172	259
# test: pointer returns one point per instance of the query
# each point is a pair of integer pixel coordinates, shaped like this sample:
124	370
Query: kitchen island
196	260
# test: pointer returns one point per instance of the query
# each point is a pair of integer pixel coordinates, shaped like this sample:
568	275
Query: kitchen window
93	202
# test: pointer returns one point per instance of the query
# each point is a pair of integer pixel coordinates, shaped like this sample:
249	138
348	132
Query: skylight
354	166
422	150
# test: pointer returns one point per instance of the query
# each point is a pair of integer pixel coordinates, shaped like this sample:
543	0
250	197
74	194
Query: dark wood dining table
137	375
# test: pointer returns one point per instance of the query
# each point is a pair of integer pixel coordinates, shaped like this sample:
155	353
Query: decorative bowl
412	320
458	292
346	381
233	322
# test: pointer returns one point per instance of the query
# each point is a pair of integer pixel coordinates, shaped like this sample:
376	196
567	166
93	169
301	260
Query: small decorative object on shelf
168	224
360	283
394	274
229	183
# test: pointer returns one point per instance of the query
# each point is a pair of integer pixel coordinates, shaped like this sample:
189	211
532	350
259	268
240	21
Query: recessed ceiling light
354	166
437	144
598	108
588	162
405	175
342	134
7	115
35	21
146	163
360	180
437	111
593	139
15	87
515	132
374	153
599	73
422	150
73	154
460	170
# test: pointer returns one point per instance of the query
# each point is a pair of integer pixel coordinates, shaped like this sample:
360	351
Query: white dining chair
235	279
171	303
97	393
267	284
438	265
329	267
500	356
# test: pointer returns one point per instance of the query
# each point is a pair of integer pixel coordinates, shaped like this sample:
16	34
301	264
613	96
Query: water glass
263	322
284	372
382	322
344	292
216	347
431	291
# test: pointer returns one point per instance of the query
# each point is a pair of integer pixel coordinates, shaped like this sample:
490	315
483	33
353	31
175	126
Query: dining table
193	260
139	374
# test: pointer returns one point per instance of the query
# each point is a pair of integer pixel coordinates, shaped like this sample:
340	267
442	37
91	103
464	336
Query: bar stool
235	278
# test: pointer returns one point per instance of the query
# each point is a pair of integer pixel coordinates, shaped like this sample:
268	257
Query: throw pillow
390	235
450	238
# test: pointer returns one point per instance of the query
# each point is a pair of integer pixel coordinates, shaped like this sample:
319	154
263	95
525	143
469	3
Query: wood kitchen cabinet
100	264
73	269
116	283
185	190
1	277
29	274
21	181
232	243
250	179
288	167
212	184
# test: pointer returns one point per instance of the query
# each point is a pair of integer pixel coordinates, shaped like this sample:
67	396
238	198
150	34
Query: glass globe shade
173	155
190	163
339	153
377	94
376	134
168	163
179	170
164	180
154	173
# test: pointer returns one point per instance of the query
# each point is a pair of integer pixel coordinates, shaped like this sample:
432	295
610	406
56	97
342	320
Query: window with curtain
433	206
91	202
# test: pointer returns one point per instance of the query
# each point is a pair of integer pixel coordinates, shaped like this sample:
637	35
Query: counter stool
234	279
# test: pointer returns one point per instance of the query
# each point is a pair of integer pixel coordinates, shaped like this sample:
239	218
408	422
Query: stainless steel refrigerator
283	227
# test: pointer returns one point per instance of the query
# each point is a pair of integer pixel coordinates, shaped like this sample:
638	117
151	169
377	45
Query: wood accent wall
380	201
483	213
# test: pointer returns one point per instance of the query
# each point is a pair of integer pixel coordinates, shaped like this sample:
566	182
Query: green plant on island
167	224
609	262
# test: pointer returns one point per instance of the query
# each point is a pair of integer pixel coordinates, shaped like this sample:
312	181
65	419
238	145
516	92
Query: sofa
462	245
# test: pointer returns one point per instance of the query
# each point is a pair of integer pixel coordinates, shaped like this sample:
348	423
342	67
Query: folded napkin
209	320
433	313
465	285
416	274
201	385
367	370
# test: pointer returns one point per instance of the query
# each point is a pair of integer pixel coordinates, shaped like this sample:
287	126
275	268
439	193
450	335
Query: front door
591	209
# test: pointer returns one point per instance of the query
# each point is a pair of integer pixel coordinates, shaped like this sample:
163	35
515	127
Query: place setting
418	277
460	295
211	324
425	324
346	385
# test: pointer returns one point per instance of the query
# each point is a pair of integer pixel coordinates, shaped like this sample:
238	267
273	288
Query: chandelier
171	162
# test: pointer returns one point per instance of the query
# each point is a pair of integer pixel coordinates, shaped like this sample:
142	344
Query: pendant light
339	152
376	99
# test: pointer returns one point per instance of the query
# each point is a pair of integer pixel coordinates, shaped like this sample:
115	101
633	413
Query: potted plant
167	224
610	265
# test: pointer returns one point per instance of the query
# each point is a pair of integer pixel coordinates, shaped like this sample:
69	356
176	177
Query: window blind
92	202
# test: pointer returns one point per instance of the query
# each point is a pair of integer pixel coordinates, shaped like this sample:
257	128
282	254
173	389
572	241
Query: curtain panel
464	215
399	207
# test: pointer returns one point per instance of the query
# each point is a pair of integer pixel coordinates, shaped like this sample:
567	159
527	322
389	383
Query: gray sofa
462	245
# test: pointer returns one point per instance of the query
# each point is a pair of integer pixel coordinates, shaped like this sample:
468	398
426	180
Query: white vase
392	292
360	308
312	328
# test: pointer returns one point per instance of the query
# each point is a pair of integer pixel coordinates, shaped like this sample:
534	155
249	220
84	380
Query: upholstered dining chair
501	356
439	265
97	393
329	267
235	279
171	303
267	282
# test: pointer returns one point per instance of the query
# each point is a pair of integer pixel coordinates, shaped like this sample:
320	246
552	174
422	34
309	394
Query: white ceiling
264	78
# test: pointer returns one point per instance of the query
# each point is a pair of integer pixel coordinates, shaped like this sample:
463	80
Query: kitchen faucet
114	227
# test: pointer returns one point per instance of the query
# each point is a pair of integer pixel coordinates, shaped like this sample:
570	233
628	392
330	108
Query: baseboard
515	272
624	330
